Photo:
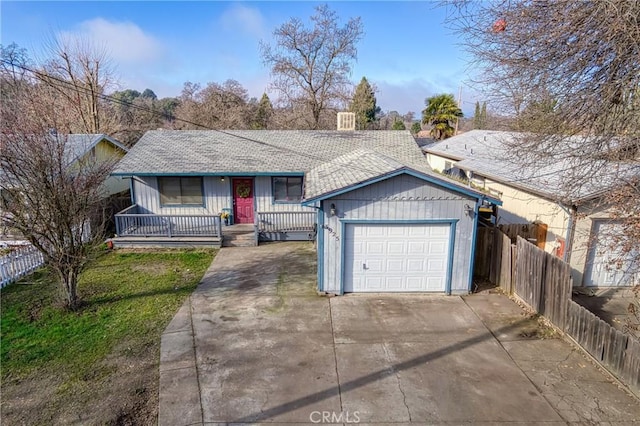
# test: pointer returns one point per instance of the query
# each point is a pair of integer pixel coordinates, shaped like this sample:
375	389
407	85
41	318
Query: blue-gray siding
217	196
401	198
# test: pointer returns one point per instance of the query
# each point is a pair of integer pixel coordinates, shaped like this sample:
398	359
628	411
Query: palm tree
441	110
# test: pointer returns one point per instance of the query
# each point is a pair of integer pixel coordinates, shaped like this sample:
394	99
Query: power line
70	86
83	90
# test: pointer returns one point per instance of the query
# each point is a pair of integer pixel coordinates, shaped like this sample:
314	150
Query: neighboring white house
575	218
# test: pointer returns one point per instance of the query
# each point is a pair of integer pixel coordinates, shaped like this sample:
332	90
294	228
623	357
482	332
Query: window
287	189
181	191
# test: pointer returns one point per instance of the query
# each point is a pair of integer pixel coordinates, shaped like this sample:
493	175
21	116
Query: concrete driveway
256	344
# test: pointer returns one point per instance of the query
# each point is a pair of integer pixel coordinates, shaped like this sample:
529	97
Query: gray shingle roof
347	170
331	160
256	151
492	154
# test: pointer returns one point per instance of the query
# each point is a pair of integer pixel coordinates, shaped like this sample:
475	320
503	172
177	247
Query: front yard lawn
98	365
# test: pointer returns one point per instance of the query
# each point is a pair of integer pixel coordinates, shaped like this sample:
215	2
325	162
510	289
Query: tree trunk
70	283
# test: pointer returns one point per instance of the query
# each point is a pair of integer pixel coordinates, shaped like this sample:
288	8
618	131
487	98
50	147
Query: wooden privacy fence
19	262
493	258
543	281
535	233
618	352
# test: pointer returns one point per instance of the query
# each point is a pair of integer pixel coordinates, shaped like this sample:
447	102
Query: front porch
138	228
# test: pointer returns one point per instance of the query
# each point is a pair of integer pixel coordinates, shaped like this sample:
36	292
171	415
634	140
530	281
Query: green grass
128	299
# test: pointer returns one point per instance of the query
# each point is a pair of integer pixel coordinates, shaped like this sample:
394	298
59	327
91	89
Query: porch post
218	222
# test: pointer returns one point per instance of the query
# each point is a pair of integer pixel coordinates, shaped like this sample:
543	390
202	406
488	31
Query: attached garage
386	227
397	257
607	266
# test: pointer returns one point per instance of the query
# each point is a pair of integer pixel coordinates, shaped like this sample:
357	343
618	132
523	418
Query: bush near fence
20	261
543	282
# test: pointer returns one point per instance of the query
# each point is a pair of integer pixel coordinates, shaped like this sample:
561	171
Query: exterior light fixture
468	209
333	210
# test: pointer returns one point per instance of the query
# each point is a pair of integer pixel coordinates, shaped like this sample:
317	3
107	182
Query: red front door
243	200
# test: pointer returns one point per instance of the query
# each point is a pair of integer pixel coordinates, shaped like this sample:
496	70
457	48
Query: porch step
242	235
239	240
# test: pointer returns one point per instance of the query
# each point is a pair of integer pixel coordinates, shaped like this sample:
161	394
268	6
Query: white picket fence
21	261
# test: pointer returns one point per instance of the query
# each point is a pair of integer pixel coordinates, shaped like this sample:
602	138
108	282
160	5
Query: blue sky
406	51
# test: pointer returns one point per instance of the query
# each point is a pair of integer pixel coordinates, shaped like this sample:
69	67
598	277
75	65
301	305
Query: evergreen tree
364	104
416	127
398	125
480	116
263	113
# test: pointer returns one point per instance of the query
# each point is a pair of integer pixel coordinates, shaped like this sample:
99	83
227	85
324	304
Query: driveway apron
255	344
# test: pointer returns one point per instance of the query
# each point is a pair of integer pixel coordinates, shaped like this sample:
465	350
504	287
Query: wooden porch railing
131	223
285	221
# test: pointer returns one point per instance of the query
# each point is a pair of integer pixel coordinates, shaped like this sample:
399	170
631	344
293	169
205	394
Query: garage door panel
414	284
437	247
374	283
393	284
375	232
439	231
396	247
396	231
435	283
395	265
398	257
417	247
375	247
415	265
436	265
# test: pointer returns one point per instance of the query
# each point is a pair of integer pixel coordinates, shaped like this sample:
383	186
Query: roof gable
77	145
362	168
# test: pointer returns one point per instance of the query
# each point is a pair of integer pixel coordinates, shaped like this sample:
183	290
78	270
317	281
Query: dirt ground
123	390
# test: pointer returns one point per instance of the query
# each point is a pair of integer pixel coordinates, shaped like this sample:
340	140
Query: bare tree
217	106
79	72
51	194
311	67
570	72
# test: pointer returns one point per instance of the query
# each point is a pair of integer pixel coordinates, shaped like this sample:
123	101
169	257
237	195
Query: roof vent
346	121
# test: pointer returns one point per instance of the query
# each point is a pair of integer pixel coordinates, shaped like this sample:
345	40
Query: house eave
219	173
404	170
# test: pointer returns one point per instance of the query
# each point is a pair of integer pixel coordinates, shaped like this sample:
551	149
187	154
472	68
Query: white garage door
607	265
396	258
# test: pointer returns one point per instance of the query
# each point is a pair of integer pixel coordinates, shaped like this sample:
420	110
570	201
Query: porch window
177	191
287	189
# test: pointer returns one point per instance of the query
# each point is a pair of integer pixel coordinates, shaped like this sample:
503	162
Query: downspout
571	231
320	247
131	193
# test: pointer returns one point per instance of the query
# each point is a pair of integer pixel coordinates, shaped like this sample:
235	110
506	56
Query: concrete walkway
255	344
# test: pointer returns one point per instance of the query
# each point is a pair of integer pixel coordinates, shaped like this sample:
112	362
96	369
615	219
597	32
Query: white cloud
247	20
125	42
